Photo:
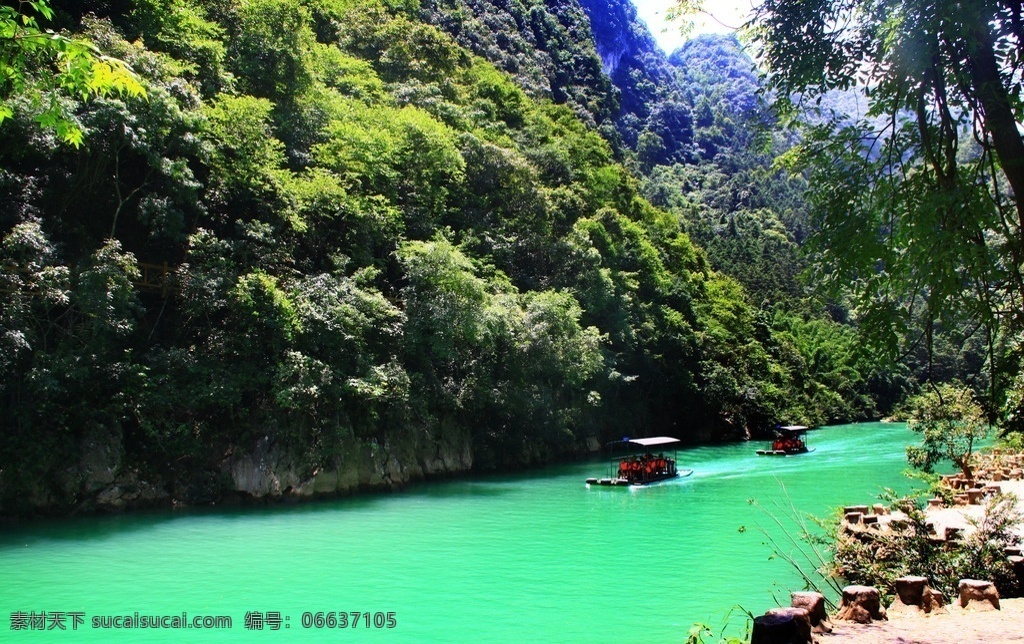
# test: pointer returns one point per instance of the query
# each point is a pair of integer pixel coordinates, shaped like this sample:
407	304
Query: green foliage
349	75
242	129
35	292
265	308
402	49
521	364
749	217
916	200
403	155
104	293
837	378
1012	420
444	294
183	29
1012	441
271	47
44	69
699	631
545	47
950	422
248	160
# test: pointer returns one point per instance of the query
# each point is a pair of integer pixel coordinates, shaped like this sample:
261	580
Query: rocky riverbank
954	626
106	479
919	613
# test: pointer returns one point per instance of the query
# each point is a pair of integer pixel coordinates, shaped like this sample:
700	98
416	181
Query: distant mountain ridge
596	56
651	98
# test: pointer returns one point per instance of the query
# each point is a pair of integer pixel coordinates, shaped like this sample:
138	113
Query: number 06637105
348	619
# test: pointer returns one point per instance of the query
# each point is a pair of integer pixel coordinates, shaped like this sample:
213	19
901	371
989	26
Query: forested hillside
343	244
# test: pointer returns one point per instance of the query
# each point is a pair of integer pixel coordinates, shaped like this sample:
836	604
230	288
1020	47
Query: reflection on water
498	558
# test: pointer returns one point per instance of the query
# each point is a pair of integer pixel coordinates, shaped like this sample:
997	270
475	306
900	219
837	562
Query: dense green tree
40	70
917	202
746	214
546	47
183	29
1012	412
951	423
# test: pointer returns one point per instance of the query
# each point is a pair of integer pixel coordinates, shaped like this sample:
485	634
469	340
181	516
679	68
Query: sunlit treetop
49	69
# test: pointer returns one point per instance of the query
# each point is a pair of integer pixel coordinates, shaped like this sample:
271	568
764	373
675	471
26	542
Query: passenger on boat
787	444
627	467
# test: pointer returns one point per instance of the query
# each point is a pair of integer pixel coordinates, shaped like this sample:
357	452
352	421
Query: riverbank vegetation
880	559
931	532
914	543
951	424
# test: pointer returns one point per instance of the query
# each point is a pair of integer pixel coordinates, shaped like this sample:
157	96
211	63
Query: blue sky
729	12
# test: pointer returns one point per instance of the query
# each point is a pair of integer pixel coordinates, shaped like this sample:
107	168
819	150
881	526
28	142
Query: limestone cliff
265	470
651	98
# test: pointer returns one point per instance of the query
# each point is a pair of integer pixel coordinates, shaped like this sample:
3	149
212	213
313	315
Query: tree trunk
994	99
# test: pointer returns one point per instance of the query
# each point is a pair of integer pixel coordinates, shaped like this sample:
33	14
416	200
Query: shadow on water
19	533
840	450
97	527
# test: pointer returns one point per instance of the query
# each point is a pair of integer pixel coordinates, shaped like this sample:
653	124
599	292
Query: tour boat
642	467
788	441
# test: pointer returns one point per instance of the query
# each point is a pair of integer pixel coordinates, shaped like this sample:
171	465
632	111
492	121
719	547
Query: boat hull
621	482
782	452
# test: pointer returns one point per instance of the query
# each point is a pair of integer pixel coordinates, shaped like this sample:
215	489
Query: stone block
978	594
782	626
910	590
914	595
933	601
814	604
861	604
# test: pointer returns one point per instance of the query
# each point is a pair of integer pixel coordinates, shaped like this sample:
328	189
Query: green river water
531	557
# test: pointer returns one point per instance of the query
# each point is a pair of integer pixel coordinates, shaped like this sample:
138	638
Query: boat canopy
650	442
793	429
